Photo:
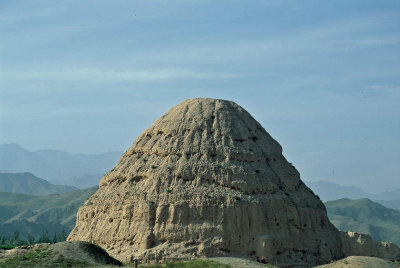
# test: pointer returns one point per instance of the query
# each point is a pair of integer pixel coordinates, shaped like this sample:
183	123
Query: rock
88	253
61	254
18	251
206	180
359	244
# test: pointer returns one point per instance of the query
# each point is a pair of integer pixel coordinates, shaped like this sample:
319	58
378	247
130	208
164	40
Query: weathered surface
206	179
359	244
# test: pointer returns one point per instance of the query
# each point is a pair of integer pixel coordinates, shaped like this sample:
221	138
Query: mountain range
328	191
58	167
29	184
35	214
365	216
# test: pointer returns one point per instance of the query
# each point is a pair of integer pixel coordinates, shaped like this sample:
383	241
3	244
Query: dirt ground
361	262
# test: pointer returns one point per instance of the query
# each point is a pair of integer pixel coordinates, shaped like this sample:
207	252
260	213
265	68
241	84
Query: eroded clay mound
206	179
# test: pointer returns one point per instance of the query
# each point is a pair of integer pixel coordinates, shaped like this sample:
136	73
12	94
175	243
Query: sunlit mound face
207	180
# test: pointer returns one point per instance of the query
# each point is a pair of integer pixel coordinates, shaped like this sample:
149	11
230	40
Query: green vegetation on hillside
37	214
365	216
27	183
9	242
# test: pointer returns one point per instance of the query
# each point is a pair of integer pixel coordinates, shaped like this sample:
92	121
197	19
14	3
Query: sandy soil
361	262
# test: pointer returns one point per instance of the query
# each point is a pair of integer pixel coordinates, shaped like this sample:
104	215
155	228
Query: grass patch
138	156
42	257
169	191
61	261
153	166
30	259
7	246
189	264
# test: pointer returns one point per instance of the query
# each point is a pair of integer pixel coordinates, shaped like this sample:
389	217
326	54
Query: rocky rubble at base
358	244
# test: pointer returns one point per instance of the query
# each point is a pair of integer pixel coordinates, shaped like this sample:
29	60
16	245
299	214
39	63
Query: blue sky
322	77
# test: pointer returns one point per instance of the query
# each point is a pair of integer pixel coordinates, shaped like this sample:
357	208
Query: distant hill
27	183
328	191
365	216
57	167
84	181
387	195
35	214
394	204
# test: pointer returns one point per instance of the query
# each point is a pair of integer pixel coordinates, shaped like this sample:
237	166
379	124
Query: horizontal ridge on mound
206	179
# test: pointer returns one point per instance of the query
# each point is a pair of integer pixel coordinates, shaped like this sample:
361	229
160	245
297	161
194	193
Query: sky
322	77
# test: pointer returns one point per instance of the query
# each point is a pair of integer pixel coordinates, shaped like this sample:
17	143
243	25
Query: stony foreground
82	254
62	254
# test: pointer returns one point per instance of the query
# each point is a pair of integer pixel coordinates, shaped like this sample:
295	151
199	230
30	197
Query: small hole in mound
253	138
252	252
213	117
225	250
257	171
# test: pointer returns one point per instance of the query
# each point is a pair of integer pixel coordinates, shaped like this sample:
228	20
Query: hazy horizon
323	78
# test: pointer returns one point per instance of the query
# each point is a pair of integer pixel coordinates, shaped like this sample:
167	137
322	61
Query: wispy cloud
65	73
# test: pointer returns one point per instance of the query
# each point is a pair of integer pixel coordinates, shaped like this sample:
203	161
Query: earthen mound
207	180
